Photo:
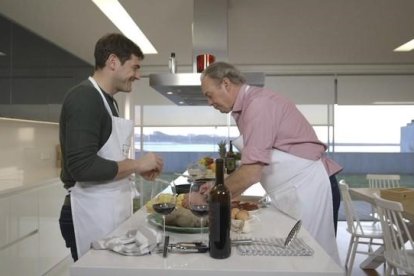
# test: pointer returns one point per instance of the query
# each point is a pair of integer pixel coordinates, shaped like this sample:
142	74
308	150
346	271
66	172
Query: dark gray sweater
85	126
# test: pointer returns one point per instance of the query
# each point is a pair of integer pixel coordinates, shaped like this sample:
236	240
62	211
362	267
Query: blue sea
178	147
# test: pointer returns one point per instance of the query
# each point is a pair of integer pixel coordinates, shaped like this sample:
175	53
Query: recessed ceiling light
181	102
405	47
169	93
123	21
2	54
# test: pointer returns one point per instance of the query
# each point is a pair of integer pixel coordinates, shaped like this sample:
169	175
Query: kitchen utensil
293	233
290	237
186	247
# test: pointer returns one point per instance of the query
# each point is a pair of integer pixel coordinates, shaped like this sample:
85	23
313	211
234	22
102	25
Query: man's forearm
125	168
243	178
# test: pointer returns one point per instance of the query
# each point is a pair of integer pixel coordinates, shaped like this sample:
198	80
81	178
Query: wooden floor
342	240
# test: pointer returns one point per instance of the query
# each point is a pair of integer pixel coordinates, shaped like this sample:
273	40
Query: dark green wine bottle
219	216
230	160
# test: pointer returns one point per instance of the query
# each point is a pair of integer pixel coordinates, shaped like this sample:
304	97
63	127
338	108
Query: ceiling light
2	54
123	21
405	47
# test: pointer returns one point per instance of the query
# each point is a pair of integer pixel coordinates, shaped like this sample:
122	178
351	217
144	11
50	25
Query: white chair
361	233
383	181
398	241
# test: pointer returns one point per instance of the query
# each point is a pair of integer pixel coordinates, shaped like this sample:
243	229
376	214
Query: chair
398	241
383	181
361	233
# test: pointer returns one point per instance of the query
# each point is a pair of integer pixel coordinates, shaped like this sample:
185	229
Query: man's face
217	94
127	73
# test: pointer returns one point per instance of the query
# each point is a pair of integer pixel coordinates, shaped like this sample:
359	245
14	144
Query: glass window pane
370	128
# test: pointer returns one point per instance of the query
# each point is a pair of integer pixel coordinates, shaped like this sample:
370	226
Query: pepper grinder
172	64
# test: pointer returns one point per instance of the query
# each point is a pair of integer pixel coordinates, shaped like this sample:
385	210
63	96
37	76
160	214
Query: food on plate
239	214
180	216
184	218
165	198
234	211
245	205
206	161
242	215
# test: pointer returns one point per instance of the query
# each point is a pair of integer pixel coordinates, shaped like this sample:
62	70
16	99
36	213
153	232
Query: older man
279	148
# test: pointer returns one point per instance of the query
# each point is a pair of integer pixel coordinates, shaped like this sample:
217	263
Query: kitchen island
266	222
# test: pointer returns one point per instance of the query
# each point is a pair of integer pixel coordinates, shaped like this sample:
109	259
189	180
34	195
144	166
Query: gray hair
220	70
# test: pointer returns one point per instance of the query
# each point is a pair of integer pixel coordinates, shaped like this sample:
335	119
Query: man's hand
150	166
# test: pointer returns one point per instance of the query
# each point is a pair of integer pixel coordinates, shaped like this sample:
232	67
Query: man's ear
226	83
112	61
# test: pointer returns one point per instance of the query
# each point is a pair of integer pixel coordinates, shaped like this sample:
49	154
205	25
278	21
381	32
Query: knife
165	249
189	247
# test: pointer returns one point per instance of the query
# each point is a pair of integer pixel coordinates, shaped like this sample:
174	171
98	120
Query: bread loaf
242	215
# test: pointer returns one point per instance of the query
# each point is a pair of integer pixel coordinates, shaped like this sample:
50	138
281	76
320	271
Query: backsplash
28	152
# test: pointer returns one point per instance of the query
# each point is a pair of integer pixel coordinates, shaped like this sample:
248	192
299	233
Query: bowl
182	188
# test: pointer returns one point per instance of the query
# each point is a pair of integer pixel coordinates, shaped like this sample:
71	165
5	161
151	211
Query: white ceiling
261	32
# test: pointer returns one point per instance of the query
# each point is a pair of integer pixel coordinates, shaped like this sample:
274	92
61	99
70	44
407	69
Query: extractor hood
209	37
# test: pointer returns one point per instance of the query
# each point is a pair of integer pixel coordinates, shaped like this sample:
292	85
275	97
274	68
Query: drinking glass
198	201
164	198
195	171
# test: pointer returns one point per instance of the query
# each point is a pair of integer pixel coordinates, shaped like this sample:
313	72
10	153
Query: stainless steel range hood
209	36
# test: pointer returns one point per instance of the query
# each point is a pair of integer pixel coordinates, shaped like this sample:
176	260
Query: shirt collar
238	104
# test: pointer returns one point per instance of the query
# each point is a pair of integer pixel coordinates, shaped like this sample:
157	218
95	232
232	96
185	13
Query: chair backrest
397	237
383	180
352	219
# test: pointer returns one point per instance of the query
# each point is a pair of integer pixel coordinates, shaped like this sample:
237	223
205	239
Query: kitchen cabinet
30	239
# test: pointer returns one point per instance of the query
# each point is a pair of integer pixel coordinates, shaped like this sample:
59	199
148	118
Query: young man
95	143
279	149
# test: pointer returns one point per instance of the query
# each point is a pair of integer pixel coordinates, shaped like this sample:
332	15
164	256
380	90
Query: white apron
296	187
98	208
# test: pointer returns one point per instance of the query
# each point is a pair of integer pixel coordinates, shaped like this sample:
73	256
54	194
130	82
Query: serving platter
156	220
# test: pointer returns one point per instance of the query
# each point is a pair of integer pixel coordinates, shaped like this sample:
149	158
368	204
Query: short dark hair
117	44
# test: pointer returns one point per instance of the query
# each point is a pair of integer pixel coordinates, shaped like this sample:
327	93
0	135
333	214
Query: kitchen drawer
18	216
21	258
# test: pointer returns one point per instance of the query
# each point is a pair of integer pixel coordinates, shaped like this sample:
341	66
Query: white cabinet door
21	258
24	214
4	221
52	248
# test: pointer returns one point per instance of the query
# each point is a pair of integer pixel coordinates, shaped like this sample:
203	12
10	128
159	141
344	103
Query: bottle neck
219	171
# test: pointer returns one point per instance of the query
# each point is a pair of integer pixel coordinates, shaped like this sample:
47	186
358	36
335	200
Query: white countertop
268	222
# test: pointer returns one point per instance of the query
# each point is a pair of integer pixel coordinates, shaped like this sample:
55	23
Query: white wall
28	152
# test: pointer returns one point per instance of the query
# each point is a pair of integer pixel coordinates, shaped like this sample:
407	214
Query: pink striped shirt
269	121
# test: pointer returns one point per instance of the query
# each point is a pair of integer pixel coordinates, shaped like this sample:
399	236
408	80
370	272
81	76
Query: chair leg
388	271
395	271
353	253
370	245
351	241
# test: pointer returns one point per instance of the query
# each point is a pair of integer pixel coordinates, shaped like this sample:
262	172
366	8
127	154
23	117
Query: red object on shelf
203	61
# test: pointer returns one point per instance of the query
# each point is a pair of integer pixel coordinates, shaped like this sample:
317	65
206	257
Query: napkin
135	242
